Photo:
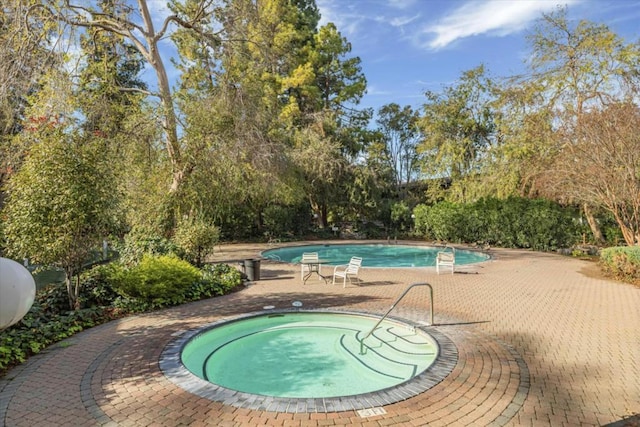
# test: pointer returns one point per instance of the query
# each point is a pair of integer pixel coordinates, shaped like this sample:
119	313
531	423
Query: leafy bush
49	320
53	299
140	241
439	222
157	280
38	329
514	222
400	216
622	263
95	291
281	220
216	280
197	238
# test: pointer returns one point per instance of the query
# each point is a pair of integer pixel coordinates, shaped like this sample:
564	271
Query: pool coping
174	370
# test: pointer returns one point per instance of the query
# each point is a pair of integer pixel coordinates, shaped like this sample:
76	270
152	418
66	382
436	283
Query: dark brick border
174	370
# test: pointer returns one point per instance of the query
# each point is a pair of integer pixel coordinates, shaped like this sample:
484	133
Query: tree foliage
61	204
401	134
600	164
458	125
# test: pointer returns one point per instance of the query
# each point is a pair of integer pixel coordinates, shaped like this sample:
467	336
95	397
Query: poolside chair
347	271
306	268
446	258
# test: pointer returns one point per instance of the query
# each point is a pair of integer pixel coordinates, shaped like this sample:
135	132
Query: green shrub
216	280
95	291
622	263
49	321
157	280
140	241
96	288
514	222
439	222
53	299
39	329
282	220
196	238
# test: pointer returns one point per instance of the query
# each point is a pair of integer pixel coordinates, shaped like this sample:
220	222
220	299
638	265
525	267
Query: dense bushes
622	263
515	222
196	238
140	241
108	292
42	326
282	220
157	280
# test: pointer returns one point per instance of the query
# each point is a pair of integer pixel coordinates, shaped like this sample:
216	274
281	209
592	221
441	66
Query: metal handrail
406	291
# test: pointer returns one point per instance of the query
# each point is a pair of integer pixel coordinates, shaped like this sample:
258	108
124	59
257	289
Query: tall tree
458	127
118	18
329	86
600	164
525	147
576	69
24	57
401	134
109	81
61	203
233	94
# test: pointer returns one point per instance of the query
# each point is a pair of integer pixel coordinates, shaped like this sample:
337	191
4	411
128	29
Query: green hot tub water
309	355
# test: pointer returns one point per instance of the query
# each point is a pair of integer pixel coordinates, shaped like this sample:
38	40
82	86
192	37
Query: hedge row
514	222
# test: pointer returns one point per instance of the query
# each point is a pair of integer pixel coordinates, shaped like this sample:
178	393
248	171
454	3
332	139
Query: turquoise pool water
374	255
309	355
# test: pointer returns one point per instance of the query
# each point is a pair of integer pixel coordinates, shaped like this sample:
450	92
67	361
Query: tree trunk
628	233
68	281
593	224
169	120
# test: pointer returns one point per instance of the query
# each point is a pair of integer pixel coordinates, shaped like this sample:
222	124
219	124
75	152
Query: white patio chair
446	258
347	271
306	268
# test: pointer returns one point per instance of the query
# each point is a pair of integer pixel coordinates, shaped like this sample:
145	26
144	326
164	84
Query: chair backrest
310	256
445	256
354	265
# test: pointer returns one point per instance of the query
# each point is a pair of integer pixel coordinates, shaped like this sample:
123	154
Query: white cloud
401	21
347	21
497	17
375	91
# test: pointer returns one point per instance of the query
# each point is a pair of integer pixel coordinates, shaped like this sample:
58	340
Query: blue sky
410	46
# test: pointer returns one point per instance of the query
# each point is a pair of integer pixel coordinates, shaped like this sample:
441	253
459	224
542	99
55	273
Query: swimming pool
288	360
374	255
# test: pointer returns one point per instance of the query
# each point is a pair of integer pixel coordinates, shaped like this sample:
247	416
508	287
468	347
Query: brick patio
541	341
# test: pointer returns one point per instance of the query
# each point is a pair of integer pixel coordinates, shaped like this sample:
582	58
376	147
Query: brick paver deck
541	341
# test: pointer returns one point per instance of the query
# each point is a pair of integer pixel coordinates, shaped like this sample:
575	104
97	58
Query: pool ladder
406	291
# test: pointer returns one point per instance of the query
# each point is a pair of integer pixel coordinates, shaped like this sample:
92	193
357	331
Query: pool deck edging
171	365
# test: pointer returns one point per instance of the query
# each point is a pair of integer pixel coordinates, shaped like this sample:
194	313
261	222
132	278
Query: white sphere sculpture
17	292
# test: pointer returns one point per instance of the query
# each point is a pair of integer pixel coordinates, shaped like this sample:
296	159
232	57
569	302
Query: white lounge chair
307	268
347	271
446	258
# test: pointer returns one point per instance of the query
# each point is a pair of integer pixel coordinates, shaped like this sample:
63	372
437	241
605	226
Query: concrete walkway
541	341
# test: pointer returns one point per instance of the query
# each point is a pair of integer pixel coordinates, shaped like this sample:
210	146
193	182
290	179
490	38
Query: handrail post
406	291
